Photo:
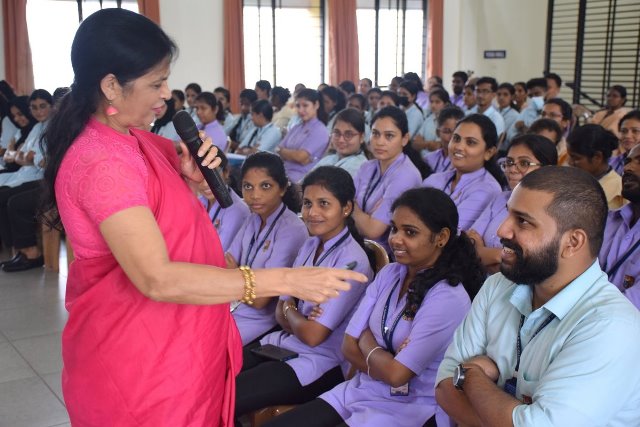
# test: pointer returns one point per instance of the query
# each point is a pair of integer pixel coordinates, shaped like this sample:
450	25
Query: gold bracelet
249	285
286	308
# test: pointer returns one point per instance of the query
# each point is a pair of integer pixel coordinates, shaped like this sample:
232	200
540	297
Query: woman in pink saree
150	340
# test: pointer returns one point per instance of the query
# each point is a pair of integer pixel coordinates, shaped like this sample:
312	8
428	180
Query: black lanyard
519	342
371	187
449	183
621	261
215	214
328	251
264	239
387	333
255	133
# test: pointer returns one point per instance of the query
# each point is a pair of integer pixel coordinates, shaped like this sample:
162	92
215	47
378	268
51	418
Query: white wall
473	26
197	28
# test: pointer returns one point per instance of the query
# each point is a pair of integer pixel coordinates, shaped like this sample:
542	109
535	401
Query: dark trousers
316	413
6	193
22	209
264	383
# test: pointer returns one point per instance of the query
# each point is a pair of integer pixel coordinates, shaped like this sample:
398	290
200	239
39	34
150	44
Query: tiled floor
32	316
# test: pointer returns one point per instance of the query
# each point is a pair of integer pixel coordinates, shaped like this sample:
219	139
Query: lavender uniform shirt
620	237
366	401
375	193
227	221
437	161
276	245
215	131
617	163
311	136
472	194
491	218
313	362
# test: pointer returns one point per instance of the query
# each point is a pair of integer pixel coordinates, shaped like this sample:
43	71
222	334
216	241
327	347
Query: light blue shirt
415	119
169	132
265	138
580	370
350	163
496	118
229	121
9	130
27	173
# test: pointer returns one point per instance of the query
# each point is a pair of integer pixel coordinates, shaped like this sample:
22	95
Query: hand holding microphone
188	132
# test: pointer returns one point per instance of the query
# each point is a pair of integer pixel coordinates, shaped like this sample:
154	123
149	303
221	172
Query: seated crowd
454	187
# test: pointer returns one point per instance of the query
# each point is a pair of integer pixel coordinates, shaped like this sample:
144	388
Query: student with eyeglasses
347	138
526	153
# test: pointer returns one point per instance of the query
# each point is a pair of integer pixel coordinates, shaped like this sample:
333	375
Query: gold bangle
249	285
286	308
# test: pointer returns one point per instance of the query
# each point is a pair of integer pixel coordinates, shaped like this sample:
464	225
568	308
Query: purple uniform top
313	362
311	136
617	163
215	131
227	221
376	193
276	245
490	219
472	194
619	240
365	401
437	161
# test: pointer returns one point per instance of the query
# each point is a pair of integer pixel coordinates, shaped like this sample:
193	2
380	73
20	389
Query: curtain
17	52
434	37
233	50
150	9
343	41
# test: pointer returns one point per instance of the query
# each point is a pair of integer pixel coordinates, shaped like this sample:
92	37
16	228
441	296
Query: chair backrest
381	257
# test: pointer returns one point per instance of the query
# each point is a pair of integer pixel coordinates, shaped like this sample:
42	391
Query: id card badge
403	390
510	386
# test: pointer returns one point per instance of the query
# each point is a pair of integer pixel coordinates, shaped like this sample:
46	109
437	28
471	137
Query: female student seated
438	160
380	180
347	138
334	101
265	136
307	141
408	91
526	153
426	140
590	148
20	112
505	96
163	125
270	237
398	335
224	98
476	177
629	131
210	114
227	221
314	332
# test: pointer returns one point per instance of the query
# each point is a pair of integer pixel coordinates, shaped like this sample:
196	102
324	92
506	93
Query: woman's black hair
59	93
178	94
622	91
442	94
589	139
633	115
411	87
337	96
274	166
457	264
361	99
391	94
512	91
136	45
41	94
22	104
281	94
399	118
375	90
263	107
548	125
313	96
339	183
490	137
225	92
542	148
264	85
166	117
194	87
415	78
210	99
348	86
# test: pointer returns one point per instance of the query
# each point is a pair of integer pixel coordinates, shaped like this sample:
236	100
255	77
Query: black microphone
188	132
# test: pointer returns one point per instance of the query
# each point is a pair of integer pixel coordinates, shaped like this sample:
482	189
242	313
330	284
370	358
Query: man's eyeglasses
521	165
348	135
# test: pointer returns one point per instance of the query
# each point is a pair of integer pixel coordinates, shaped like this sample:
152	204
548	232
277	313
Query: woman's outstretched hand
318	284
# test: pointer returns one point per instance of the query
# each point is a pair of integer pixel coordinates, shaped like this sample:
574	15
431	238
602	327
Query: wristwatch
458	376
